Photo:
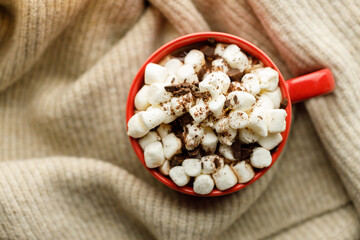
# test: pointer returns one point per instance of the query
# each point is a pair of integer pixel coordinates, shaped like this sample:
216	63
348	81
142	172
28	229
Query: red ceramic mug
294	90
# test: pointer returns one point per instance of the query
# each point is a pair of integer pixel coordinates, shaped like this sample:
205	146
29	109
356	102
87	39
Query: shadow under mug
294	90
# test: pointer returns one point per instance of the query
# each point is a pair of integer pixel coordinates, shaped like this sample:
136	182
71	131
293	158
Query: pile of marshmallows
254	117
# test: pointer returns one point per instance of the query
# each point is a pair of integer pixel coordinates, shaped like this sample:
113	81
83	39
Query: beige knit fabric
67	169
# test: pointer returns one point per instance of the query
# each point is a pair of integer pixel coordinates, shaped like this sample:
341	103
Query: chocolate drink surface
208	115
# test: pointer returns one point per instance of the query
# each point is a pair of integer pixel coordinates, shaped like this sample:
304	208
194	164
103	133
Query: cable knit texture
67	169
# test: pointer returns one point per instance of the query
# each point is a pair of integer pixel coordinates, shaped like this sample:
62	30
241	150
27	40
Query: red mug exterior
293	90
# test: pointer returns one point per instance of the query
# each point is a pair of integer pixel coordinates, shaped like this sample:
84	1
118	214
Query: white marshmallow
275	97
238	119
269	78
227	137
224	178
247	136
271	141
208	163
203	184
264	102
171	145
155	73
209	140
251	84
193	136
186	74
196	59
215	83
199	112
182	104
220	49
154	155
157	94
226	151
169	115
243	171
192	167
253	64
226	134
171	79
241	100
260	158
178	175
219	65
141	98
275	119
136	126
148	139
165	168
257	122
173	65
235	57
153	117
163	130
216	105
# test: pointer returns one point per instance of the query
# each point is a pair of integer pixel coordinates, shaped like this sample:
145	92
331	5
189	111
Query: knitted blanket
68	171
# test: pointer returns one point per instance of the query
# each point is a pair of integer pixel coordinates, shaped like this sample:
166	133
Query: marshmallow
152	117
238	119
169	115
163	130
141	98
155	73
254	63
171	79
165	168
241	100
203	184
257	122
235	86
269	78
226	134
226	151
182	103
235	57
220	49
227	137
275	119
209	140
196	59
216	105
172	145
215	83
264	102
154	155
136	126
199	112
186	74
158	94
210	163
224	178
148	139
243	171
178	175
247	136
275	97
271	141
260	158
219	65
173	65
193	136
251	84
192	167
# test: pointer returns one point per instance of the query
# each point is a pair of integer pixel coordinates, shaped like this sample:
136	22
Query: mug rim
190	39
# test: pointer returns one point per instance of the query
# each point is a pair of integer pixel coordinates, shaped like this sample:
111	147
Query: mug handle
310	85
